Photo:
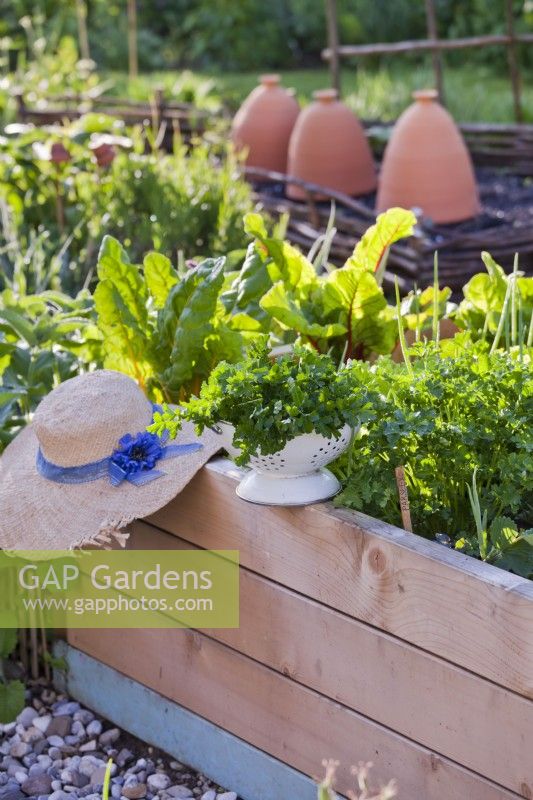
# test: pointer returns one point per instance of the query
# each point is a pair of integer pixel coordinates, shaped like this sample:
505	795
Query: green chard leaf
242	299
284	261
114	266
121	304
371	251
287	310
369	319
160	277
194	323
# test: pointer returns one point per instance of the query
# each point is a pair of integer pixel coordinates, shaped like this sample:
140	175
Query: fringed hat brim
39	514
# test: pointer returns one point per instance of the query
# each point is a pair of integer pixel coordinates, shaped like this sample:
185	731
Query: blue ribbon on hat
134	460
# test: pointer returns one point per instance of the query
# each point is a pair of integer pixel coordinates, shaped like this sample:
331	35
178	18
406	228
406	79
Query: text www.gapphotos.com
112	605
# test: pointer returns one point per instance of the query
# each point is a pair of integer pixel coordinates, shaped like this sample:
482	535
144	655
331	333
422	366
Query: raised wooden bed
358	641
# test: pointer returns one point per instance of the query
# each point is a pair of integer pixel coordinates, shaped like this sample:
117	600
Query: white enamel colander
293	476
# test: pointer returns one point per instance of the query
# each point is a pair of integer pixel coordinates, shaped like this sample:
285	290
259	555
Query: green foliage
8	641
271	402
190	201
11	692
461	410
45	65
250	34
11	700
58	663
371	251
498	308
242	299
501	542
419	306
165	328
50	208
168	329
344	312
44	340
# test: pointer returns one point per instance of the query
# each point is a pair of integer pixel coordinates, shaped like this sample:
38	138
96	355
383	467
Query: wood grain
472	614
273	713
447	709
187	737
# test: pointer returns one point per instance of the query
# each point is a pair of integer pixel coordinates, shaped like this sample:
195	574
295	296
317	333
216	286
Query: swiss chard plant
164	327
343	312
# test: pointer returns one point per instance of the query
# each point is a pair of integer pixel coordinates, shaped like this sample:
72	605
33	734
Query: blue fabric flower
137	453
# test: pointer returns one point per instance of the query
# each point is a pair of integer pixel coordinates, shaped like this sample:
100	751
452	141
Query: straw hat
85	467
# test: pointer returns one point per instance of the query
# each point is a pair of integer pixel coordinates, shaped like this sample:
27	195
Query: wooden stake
404	498
431	21
132	39
333	44
157	103
512	60
83	36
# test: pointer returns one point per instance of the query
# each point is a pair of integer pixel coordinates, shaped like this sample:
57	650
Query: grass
474	93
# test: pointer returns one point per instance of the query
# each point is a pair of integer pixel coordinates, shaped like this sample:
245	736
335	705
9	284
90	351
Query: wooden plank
453	712
273	713
192	740
470	613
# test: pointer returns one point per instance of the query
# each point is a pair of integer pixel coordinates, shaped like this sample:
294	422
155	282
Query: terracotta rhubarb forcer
427	165
328	146
263	124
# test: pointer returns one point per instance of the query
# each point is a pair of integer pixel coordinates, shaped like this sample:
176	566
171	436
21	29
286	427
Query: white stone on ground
58	750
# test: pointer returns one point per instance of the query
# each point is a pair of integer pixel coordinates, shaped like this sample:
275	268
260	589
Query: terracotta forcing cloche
263	124
328	147
427	165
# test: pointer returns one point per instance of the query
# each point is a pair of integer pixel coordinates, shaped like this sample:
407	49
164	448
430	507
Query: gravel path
58	750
